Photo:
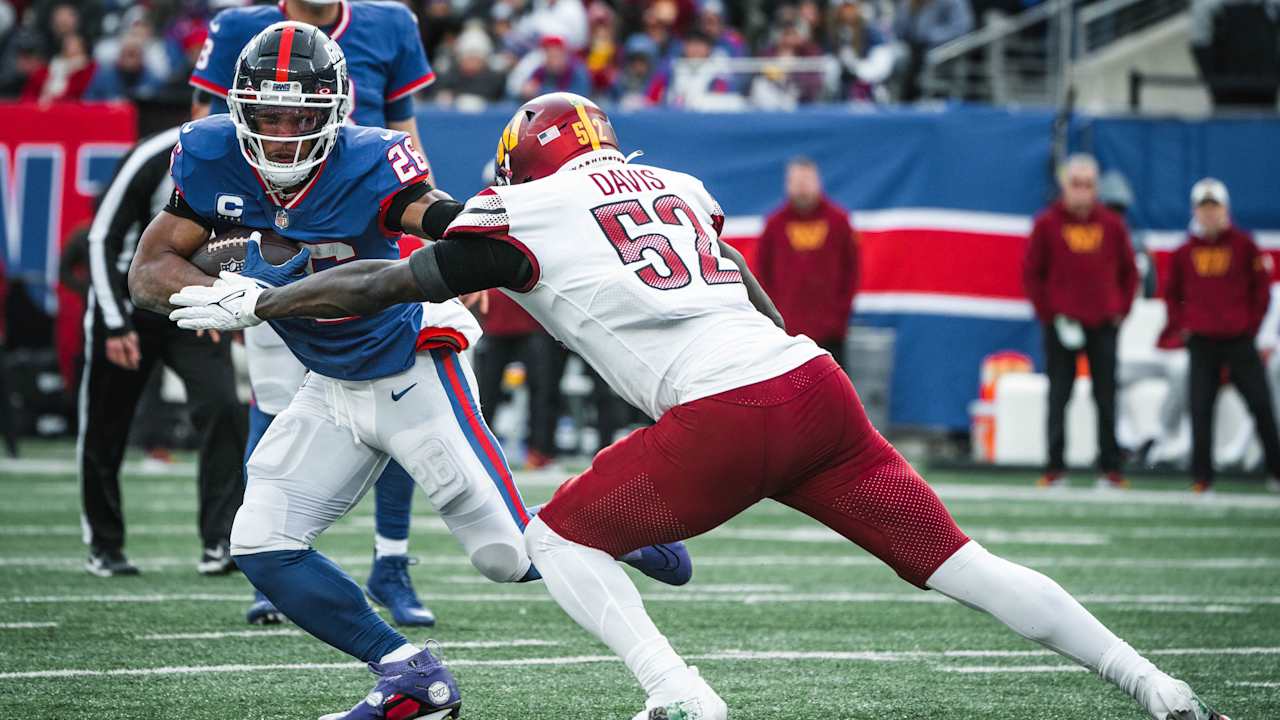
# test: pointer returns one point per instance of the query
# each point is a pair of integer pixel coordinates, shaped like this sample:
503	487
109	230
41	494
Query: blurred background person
635	85
922	25
65	77
512	335
21	61
124	345
553	68
778	86
1080	275
127	78
1219	290
470	83
808	260
866	58
1236	46
8	429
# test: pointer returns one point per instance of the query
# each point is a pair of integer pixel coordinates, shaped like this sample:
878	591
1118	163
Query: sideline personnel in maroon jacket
1219	288
808	260
1080	275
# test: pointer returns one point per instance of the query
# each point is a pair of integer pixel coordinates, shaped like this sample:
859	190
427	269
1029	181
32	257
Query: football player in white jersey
622	263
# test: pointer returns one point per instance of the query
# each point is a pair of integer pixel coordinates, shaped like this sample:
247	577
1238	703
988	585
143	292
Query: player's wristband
248	305
438	217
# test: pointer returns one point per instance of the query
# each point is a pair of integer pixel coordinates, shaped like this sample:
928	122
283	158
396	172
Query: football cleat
667	563
1052	480
1202	487
1111	481
263	611
216	560
109	563
1169	699
420	687
700	703
390	586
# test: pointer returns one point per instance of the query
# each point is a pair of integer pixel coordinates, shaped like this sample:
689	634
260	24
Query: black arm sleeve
466	264
177	205
403	199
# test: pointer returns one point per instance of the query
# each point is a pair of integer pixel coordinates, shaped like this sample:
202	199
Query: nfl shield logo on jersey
282	218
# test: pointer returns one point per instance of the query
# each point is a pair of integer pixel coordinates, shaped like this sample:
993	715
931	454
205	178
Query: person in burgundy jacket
808	260
1218	290
1080	275
511	334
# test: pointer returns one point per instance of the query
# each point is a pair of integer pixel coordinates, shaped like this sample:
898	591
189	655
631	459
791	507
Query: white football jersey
627	273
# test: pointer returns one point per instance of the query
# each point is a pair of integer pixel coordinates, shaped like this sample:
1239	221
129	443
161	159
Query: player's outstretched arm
438	272
160	265
759	298
352	289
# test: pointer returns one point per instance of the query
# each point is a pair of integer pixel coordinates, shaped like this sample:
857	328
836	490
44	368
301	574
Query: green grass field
787	621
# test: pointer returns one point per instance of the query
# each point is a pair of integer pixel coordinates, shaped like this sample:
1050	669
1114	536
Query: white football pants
324	451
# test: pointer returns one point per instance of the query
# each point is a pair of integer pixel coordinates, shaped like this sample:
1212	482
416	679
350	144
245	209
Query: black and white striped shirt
139	190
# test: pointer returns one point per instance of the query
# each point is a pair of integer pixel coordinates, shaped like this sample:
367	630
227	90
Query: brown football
225	251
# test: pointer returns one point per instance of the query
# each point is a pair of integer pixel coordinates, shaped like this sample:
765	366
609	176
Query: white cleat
700	703
1169	699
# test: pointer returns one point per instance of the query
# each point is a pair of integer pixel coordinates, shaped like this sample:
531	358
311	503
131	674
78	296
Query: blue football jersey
385	60
338	214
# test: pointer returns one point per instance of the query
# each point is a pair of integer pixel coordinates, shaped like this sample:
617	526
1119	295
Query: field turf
785	619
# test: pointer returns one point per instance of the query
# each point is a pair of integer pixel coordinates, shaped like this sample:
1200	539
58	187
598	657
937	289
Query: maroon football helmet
547	132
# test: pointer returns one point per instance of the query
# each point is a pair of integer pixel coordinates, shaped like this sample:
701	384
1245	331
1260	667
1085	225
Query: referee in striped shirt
123	346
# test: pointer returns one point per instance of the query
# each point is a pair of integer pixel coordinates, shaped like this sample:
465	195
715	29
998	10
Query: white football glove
227	305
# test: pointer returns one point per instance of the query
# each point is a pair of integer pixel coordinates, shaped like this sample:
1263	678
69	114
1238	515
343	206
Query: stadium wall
943	199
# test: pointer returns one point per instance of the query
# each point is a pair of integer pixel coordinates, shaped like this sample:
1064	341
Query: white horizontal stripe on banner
942	304
942	219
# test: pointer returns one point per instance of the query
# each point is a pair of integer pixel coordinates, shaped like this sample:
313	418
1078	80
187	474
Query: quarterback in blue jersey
386	64
387	385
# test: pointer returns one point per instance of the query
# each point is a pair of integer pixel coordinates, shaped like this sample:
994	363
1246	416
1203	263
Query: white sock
1031	604
404	652
382	547
591	587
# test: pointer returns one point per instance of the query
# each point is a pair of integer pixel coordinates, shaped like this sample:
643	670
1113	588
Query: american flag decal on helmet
548	135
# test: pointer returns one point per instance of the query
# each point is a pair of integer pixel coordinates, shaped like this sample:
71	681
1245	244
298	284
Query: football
225	251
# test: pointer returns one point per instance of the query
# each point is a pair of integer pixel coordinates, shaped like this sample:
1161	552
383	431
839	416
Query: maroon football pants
802	439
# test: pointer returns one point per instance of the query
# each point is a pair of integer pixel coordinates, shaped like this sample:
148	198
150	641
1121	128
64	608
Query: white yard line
291	632
1078	496
1012	668
817	534
27	625
1187	603
724	655
1256	683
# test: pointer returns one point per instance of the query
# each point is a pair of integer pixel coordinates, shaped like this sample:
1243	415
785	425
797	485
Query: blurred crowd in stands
630	53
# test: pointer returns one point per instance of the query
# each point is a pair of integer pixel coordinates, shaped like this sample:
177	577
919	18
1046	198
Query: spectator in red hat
808	260
1080	275
1219	289
558	71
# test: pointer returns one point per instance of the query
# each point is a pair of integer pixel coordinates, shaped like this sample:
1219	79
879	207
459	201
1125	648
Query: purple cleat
420	687
667	563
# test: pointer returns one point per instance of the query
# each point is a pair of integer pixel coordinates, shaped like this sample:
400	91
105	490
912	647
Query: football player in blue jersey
385	66
389	385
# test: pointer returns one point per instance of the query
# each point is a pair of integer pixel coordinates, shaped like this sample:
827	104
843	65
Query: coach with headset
123	346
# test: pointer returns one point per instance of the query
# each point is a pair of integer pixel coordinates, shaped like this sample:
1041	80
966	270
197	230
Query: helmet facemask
284	132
